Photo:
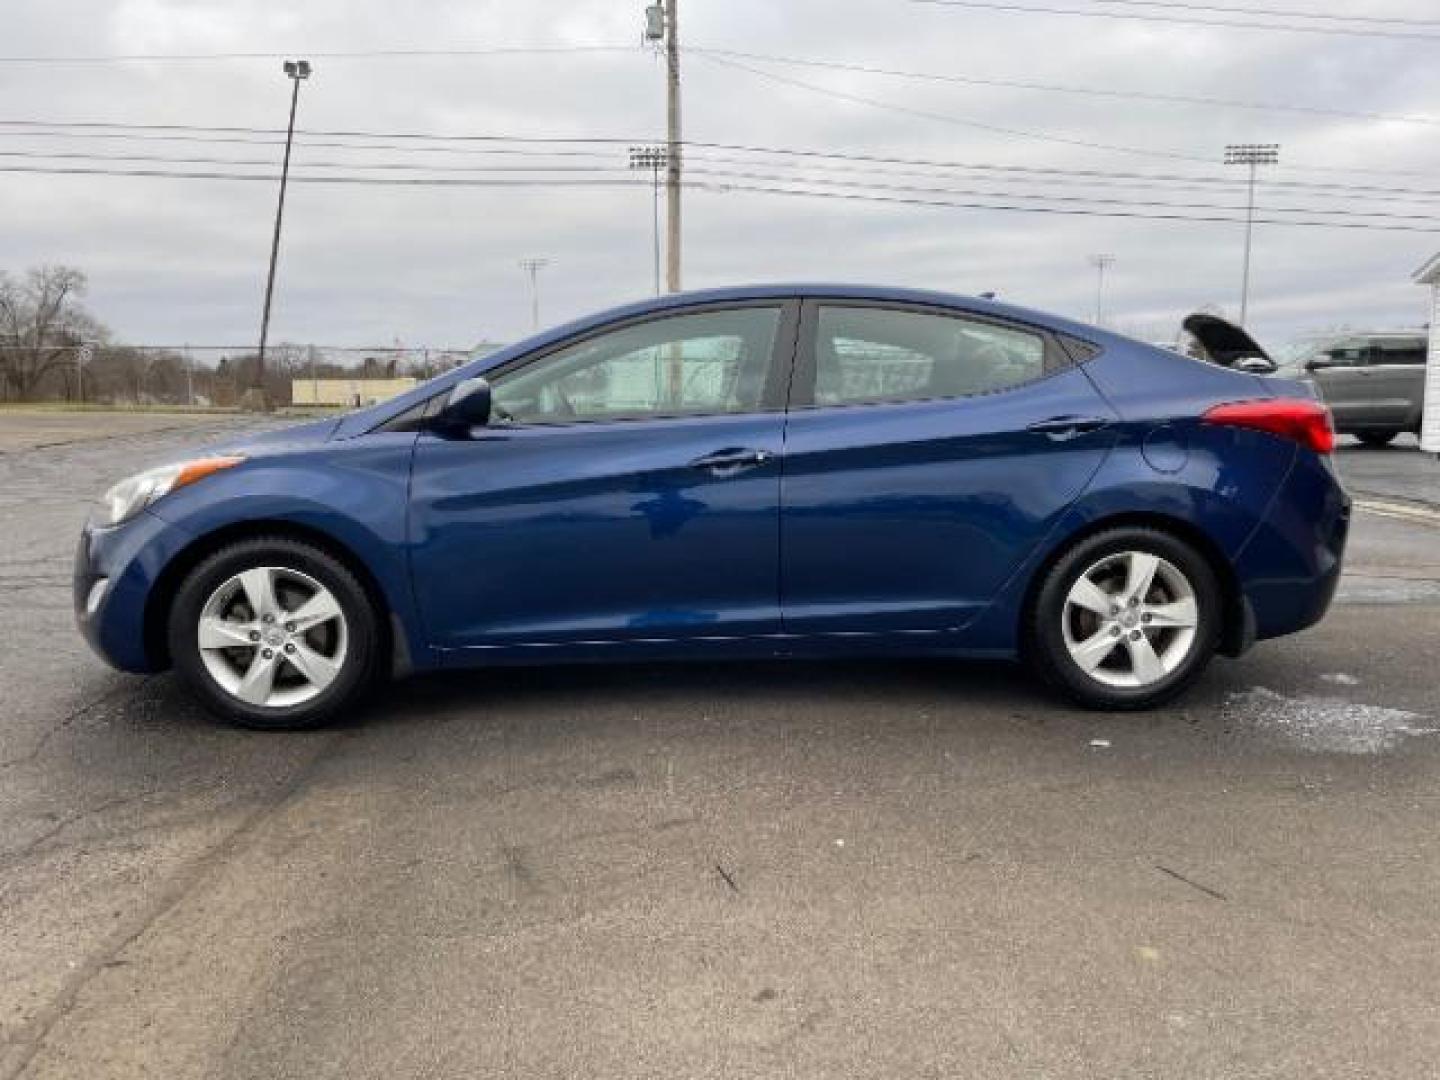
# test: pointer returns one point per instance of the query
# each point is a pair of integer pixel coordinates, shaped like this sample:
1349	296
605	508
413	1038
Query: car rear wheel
1376	438
274	633
1126	619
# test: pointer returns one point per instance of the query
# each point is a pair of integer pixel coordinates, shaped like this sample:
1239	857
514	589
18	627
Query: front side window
866	354
684	365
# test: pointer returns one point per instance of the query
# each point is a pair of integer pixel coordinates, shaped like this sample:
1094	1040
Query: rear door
927	453
1396	382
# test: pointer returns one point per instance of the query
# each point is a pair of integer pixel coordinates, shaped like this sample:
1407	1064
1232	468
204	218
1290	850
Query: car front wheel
274	633
1126	619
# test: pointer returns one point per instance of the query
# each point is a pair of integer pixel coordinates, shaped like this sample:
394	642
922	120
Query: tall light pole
1253	155
532	267
297	71
654	159
1101	264
662	21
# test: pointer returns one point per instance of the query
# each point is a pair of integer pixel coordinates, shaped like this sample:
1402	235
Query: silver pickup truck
1373	381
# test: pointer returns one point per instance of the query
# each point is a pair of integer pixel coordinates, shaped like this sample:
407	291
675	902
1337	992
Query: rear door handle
731	460
1060	428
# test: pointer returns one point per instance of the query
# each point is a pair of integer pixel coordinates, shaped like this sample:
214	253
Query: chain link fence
218	376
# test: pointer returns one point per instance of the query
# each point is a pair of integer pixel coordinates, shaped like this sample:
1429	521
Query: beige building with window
347	393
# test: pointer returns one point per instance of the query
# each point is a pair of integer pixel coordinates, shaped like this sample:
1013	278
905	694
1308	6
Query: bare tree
41	324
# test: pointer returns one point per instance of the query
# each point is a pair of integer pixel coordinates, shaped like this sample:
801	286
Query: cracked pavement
862	869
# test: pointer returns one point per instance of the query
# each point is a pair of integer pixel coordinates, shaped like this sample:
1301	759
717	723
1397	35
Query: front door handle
731	460
1061	428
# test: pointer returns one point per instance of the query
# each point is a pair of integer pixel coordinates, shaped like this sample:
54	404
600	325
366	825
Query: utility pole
662	20
1101	264
672	149
654	159
532	267
1253	155
189	377
83	354
297	71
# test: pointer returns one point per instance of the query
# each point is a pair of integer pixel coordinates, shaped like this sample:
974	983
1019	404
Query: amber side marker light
201	468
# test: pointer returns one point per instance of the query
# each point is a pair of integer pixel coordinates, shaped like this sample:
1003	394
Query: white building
1429	274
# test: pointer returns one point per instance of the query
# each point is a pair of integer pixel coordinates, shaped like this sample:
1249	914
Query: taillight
1307	422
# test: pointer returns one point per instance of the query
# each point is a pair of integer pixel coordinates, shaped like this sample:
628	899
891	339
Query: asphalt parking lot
878	869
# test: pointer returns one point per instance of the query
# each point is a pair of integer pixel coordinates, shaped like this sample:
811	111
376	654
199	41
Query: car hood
290	437
1223	341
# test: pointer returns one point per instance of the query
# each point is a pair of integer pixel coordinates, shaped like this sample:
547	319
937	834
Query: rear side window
871	355
1400	351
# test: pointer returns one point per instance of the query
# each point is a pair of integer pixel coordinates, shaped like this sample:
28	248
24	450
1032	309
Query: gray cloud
183	260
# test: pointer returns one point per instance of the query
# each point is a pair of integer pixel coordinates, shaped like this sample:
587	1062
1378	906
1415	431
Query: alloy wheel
272	637
1130	620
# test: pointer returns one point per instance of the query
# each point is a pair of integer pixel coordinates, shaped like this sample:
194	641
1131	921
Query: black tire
359	662
1376	438
1044	631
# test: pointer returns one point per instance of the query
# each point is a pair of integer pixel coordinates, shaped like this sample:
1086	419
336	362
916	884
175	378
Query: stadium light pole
297	71
1101	264
1253	155
653	158
532	267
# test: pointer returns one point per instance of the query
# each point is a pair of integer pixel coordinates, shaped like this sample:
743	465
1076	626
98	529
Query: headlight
134	493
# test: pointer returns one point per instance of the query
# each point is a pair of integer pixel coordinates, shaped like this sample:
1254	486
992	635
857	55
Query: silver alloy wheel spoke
218	633
320	608
259	587
320	671
1091	652
1140	574
259	679
1091	597
1130	620
1180	613
273	637
1144	660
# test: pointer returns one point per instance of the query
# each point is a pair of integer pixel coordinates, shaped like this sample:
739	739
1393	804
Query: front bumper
116	571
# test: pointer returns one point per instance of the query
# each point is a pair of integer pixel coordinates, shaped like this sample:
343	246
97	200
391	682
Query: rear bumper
115	573
1290	567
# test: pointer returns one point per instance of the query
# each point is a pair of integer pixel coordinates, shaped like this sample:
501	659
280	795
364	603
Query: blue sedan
740	473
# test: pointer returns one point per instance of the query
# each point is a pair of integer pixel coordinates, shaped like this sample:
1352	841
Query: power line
516	146
1184	5
963	122
1228	24
1054	88
1074	212
864	193
364	54
1011	174
945	118
268	163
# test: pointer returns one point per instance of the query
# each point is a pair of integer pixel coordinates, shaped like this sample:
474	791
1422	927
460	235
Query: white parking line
1412	512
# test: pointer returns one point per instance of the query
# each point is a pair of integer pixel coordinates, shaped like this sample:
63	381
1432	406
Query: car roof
984	305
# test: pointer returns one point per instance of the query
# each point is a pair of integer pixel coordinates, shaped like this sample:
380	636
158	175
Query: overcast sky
177	260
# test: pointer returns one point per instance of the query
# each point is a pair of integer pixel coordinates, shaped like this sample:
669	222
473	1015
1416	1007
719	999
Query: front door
927	454
626	488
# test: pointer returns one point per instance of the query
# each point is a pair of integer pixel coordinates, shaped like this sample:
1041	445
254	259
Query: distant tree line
53	349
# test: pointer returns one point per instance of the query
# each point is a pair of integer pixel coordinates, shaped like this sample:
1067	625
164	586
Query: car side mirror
1318	364
468	405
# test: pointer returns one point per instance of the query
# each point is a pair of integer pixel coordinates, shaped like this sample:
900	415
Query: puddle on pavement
1323	724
